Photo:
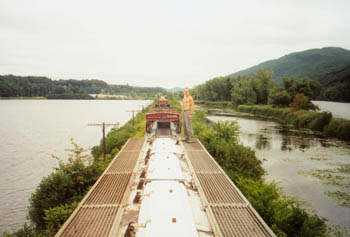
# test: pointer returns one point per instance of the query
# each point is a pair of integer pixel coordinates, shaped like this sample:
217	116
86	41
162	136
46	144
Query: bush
284	215
67	184
316	121
302	102
55	217
338	128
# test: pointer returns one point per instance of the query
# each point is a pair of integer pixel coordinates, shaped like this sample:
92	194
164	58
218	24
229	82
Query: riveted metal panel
125	162
193	146
218	189
134	144
239	221
202	162
110	190
92	221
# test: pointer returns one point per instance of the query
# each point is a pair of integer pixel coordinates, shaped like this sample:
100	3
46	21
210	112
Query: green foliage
243	91
13	86
217	89
55	217
301	102
70	97
329	66
279	97
338	127
335	85
67	184
222	142
264	85
301	119
284	215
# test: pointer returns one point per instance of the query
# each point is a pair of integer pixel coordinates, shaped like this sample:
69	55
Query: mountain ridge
313	63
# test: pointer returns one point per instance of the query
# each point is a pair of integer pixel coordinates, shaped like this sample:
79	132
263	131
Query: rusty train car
162	117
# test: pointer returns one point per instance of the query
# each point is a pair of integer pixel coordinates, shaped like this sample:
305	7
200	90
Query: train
158	185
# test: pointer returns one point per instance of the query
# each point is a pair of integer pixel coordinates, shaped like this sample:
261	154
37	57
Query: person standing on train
186	116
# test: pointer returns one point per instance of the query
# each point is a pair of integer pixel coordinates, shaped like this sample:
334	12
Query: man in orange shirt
186	116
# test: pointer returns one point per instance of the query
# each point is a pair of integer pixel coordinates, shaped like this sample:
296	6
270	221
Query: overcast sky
168	43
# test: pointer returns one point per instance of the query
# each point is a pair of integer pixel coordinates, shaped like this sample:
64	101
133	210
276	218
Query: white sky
167	43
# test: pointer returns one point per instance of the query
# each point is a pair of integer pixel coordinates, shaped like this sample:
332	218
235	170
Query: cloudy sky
168	43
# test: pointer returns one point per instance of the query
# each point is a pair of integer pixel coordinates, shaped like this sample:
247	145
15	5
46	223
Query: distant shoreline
45	98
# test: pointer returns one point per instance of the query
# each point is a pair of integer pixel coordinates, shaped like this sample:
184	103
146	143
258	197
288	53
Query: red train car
164	115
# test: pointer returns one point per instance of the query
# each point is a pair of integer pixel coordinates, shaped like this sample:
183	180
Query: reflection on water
296	160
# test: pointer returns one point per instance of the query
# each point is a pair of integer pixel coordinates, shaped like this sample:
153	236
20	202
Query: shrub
67	184
284	215
302	102
55	217
338	127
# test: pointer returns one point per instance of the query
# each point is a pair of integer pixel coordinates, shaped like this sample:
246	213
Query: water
32	130
299	163
339	110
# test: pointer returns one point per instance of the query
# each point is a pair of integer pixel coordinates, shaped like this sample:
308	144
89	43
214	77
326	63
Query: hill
312	63
329	66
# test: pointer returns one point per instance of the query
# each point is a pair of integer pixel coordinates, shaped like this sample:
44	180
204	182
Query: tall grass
316	121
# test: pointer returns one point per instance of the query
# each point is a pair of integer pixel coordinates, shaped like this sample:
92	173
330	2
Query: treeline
18	86
259	89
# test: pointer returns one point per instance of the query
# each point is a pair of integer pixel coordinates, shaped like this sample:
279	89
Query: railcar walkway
110	208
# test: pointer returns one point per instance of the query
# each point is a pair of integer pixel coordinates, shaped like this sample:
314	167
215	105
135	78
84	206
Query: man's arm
182	111
191	107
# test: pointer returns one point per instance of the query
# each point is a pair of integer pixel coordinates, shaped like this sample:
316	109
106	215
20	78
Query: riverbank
284	215
321	123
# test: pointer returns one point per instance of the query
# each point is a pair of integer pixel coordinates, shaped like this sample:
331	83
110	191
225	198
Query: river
32	130
314	170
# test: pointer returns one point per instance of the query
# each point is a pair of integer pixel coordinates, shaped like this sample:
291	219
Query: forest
29	86
329	66
259	89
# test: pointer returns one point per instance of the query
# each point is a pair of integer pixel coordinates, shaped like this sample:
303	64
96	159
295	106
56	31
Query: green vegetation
70	97
329	66
58	194
17	86
284	215
300	119
339	128
260	89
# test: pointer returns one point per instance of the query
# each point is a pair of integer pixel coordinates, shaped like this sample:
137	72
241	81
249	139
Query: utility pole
133	117
103	132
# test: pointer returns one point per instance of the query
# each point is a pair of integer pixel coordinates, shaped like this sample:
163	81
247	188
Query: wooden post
103	134
133	117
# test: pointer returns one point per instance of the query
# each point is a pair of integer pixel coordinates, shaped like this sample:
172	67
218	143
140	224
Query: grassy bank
58	194
316	121
284	215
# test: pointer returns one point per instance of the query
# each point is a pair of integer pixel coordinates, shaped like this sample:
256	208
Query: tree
264	84
242	91
302	102
279	97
